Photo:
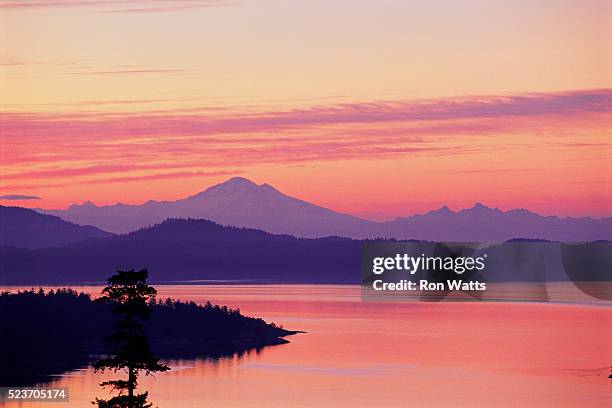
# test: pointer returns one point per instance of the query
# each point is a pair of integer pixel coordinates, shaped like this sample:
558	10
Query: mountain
240	202
237	202
180	250
483	224
25	228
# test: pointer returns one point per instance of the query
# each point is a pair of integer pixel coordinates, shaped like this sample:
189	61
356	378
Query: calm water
358	354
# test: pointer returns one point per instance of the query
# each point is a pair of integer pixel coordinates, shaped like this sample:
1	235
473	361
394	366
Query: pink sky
380	109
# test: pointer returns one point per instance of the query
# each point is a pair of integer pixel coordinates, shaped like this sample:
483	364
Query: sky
375	108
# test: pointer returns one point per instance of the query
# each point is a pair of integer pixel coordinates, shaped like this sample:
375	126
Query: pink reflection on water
389	354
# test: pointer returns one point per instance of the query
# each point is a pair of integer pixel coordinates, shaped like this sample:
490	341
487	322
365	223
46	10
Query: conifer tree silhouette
129	297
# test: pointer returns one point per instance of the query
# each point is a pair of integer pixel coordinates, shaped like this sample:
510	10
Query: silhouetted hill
240	202
25	228
178	250
47	333
183	230
190	250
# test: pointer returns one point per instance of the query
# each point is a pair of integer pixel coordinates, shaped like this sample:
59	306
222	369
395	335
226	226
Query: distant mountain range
25	228
483	224
237	202
240	202
41	248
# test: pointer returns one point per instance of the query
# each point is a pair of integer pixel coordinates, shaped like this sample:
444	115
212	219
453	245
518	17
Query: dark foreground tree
129	298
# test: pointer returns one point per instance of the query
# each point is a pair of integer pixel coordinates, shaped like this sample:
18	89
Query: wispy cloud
101	102
98	147
125	6
173	175
6	61
18	197
477	114
133	71
15	65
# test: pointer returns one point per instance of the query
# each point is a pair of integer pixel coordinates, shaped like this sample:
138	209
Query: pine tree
129	298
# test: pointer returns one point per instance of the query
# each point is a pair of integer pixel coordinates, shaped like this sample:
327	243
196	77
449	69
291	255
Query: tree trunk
131	381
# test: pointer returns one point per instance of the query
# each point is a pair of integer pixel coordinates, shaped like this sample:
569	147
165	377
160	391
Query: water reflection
390	354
